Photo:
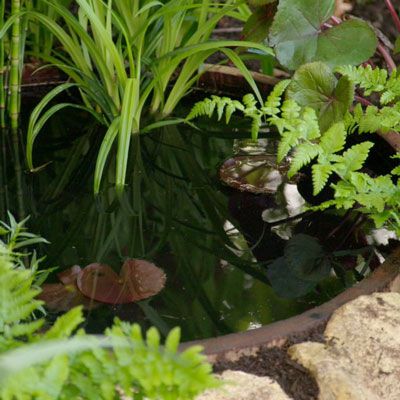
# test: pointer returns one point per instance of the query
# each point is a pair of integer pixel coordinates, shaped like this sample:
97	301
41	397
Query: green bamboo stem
3	187
14	83
14	101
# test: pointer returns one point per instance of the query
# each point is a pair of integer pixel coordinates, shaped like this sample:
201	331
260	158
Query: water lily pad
137	280
66	295
255	174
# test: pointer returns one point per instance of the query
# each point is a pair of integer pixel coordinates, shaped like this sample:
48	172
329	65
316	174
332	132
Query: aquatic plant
123	55
63	362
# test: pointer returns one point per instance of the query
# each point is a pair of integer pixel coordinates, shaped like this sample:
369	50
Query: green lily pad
299	37
314	85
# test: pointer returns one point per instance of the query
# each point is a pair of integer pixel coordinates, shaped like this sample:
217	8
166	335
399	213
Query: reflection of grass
177	221
170	213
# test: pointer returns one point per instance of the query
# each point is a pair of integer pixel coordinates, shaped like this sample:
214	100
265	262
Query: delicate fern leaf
66	324
371	200
334	139
344	194
255	126
55	376
303	155
311	126
289	139
290	110
25	329
272	104
396	171
320	176
250	104
221	107
353	159
380	219
173	339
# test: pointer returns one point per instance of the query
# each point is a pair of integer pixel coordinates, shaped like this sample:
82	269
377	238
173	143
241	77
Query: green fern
374	80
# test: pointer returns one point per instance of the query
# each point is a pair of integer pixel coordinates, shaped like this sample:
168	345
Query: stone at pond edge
361	357
239	385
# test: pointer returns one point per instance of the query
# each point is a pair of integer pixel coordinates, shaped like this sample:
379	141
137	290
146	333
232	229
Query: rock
361	357
239	385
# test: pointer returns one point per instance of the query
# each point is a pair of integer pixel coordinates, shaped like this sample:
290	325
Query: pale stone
361	357
239	385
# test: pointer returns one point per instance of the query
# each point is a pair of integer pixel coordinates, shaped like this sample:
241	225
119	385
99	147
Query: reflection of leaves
314	85
298	38
303	265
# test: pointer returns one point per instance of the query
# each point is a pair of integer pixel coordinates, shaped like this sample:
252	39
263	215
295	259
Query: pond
214	240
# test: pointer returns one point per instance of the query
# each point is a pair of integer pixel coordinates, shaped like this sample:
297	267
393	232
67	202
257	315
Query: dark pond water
213	241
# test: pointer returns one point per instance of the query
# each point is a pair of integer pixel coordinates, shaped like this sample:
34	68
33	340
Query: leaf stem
387	57
393	13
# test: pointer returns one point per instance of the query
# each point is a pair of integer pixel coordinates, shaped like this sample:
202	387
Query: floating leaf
255	174
66	295
298	36
138	280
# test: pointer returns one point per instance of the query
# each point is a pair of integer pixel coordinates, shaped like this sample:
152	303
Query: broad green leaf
285	283
257	26
298	38
314	85
305	257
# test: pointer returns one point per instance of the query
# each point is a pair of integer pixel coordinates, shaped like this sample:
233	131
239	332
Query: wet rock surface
360	359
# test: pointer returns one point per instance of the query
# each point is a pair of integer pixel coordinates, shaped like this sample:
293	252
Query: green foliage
57	364
378	81
297	36
123	56
314	85
325	149
305	264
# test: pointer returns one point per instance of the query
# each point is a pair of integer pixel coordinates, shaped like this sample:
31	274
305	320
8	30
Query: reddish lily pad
138	280
66	295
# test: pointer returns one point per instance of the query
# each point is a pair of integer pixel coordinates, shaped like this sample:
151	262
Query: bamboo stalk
14	88
3	187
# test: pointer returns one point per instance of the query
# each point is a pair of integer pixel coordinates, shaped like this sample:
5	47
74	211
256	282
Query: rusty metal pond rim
277	334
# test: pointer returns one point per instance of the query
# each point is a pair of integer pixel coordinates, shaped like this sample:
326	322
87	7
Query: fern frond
334	139
353	159
320	176
272	104
374	80
303	155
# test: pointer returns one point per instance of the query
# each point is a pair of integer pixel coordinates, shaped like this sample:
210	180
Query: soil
275	363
